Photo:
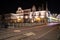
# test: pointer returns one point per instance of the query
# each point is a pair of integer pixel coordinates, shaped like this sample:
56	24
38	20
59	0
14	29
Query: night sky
8	6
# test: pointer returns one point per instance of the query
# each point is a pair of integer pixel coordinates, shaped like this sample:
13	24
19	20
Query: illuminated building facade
28	15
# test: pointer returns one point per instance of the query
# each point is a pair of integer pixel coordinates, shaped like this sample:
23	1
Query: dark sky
8	6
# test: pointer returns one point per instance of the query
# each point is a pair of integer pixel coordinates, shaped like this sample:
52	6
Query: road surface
44	32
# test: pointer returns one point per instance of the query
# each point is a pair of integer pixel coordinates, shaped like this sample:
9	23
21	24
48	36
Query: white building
21	14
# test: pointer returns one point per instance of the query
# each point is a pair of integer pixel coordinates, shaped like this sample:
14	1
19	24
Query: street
49	31
29	20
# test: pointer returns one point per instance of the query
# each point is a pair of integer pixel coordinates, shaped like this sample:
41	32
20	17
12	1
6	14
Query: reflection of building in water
28	15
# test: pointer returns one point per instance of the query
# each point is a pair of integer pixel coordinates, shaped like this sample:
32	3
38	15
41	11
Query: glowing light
42	16
19	20
26	17
53	18
36	16
37	19
32	21
21	16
